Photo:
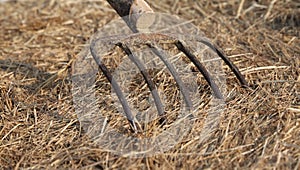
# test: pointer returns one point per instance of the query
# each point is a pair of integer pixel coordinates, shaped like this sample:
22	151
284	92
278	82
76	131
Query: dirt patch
40	40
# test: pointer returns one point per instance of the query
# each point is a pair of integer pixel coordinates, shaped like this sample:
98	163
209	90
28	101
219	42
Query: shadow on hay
49	83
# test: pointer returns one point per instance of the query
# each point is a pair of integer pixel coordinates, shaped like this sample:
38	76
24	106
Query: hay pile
39	40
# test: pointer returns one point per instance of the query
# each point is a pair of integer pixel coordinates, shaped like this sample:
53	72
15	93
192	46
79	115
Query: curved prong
146	76
172	70
201	68
115	86
232	66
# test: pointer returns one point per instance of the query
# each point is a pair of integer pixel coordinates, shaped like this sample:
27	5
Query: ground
260	128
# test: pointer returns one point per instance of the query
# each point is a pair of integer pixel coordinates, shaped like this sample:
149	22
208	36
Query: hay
260	128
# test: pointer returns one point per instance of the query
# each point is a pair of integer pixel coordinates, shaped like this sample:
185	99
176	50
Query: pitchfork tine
235	70
146	76
115	86
201	68
172	70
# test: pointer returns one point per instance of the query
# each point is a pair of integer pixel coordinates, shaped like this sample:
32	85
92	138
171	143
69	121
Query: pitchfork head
167	45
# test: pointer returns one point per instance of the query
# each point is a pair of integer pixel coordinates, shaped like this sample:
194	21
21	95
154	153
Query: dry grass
260	128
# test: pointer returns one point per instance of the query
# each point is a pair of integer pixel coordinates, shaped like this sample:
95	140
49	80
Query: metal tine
146	76
115	86
201	68
232	66
172	70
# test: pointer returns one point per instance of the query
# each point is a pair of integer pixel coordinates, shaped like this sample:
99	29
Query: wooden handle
137	13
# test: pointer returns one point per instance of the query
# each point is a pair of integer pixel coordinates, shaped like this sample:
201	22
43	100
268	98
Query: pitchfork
136	15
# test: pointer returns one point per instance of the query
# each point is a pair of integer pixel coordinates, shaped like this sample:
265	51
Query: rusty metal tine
146	76
177	78
201	68
115	86
231	65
